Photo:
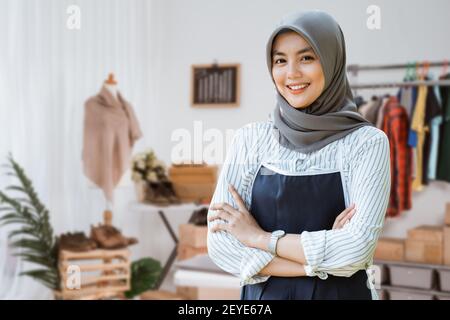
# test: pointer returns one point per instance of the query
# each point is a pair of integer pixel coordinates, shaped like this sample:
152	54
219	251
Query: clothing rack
401	84
355	68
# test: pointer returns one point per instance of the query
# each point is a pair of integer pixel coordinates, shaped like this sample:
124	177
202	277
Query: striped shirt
364	164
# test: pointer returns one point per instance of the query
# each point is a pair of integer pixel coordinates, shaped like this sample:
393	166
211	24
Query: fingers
345	213
220	227
221	214
237	198
224	206
344	217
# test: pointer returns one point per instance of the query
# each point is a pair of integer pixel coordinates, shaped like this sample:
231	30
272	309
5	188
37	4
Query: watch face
278	233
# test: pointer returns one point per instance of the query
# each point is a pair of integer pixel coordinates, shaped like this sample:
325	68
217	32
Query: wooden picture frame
215	85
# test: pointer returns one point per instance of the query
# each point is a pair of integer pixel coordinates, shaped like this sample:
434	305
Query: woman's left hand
241	223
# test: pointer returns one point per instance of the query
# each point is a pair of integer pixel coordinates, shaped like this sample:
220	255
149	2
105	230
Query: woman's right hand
344	217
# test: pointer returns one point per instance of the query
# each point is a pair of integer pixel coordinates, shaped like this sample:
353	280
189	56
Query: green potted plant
34	237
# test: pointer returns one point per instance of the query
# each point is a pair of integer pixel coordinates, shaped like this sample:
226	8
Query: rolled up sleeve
224	249
342	252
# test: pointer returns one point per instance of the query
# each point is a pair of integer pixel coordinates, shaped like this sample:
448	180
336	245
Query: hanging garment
443	172
110	130
434	135
295	203
370	109
407	97
434	149
432	110
418	126
380	116
412	137
365	182
396	127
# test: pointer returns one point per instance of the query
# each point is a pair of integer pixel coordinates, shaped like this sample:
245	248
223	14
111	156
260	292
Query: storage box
413	277
192	235
187	252
424	251
194	182
405	295
447	246
426	233
209	293
447	214
444	279
392	249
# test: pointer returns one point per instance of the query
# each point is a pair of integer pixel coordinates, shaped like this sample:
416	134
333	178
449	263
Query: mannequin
111	85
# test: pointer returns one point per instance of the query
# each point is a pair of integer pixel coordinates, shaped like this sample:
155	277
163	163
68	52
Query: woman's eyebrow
278	53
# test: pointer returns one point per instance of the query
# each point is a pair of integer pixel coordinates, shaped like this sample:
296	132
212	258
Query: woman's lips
297	90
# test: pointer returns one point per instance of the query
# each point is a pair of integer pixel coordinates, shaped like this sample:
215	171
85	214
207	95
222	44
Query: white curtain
47	71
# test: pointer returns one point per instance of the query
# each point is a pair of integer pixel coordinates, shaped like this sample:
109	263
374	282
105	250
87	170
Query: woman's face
296	70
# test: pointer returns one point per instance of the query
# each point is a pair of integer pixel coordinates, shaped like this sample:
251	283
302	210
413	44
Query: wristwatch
275	236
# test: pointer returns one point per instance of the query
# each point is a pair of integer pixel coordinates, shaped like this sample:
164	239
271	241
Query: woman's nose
293	71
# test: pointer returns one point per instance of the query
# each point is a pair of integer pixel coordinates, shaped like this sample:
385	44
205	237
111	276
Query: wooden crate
102	274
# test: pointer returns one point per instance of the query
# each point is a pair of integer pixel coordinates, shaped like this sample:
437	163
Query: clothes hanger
410	72
425	69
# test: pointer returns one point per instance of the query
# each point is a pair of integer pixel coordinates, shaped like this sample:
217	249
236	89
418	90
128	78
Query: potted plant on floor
34	240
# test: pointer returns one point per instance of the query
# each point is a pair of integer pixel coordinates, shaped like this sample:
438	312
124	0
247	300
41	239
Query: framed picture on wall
215	85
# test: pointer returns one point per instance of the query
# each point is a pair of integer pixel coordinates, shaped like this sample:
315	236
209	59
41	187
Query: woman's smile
298	88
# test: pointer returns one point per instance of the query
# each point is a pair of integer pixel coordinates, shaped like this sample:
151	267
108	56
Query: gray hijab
333	114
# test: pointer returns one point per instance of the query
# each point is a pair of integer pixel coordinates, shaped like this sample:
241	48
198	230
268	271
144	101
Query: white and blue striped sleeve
225	250
342	252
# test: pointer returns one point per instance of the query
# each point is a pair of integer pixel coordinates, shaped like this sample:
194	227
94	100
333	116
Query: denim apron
297	202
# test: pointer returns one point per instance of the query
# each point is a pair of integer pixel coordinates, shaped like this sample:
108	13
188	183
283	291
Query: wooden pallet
102	274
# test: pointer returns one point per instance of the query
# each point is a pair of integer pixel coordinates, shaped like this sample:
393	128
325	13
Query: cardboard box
186	252
447	246
192	170
447	214
192	235
426	233
194	182
391	249
209	293
424	251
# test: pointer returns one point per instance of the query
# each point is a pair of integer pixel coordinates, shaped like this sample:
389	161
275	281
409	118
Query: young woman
301	198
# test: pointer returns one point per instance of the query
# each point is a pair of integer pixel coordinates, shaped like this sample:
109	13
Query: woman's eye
276	61
310	58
